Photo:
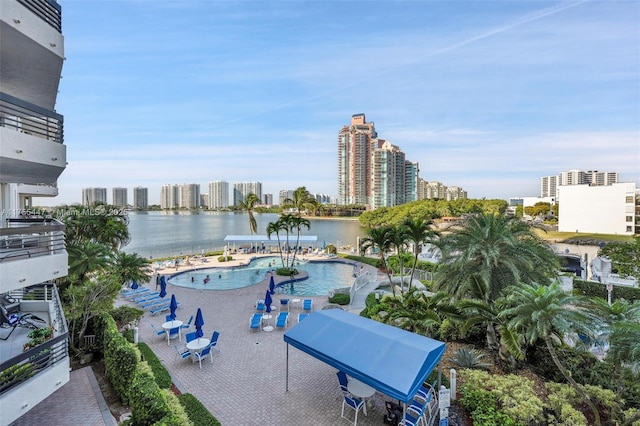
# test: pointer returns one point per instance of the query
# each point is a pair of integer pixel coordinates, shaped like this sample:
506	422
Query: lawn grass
572	237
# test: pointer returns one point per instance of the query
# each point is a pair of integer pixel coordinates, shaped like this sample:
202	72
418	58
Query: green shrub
224	259
124	315
162	376
120	358
197	413
371	300
286	272
177	415
483	408
595	289
466	357
340	299
450	330
128	334
148	404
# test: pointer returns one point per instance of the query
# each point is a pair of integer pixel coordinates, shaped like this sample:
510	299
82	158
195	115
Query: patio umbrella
134	285
199	323
272	285
267	302
173	306
163	288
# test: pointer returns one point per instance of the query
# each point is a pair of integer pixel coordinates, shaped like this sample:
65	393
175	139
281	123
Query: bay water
156	234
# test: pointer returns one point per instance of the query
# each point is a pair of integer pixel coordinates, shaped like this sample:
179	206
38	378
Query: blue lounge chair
148	296
203	353
354	403
151	302
260	306
255	323
159	308
190	336
188	324
307	305
158	332
302	316
282	320
184	353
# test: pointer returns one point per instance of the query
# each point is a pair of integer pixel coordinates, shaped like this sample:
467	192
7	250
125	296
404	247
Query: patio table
171	325
360	390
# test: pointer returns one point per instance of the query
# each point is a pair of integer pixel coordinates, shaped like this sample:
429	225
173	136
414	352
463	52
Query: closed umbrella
163	287
199	323
272	285
134	285
173	306
267	302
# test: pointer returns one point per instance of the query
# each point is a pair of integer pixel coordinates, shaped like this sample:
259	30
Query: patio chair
174	332
307	305
168	318
190	336
158	332
282	320
214	340
302	316
255	323
159	308
149	304
284	304
354	403
183	353
260	306
188	323
203	354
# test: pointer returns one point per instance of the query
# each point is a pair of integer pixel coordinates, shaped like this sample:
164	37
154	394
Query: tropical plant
379	238
625	257
130	267
548	313
86	257
418	231
298	223
398	239
300	201
249	204
466	357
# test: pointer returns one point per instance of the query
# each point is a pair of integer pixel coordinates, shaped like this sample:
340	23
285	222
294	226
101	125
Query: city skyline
486	96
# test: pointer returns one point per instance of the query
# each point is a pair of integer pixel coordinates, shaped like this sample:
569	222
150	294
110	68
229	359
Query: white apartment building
218	195
120	198
549	184
32	249
603	209
189	196
169	197
90	196
140	198
242	189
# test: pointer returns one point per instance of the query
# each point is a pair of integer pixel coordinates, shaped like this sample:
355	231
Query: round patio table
360	390
169	325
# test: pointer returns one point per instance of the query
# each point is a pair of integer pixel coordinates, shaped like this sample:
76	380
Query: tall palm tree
275	228
548	313
419	231
503	250
379	238
398	239
86	257
248	204
130	267
297	223
301	198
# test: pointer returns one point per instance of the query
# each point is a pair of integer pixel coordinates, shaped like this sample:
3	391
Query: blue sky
486	95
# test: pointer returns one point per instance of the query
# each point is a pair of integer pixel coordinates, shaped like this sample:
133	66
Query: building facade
140	198
218	195
354	161
120	198
169	197
189	196
32	158
91	196
603	209
242	189
549	185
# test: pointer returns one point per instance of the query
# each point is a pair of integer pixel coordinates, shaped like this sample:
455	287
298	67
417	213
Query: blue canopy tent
367	350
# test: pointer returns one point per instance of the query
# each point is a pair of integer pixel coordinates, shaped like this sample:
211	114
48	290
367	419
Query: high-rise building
189	196
169	196
218	194
549	185
284	195
411	176
120	198
267	199
32	158
354	161
91	196
242	189
140	198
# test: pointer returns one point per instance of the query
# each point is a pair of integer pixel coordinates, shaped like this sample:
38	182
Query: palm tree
248	205
275	228
398	239
503	250
379	238
419	231
297	223
419	313
548	313
86	257
301	198
130	267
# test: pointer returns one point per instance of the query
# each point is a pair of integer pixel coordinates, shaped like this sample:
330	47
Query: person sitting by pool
207	279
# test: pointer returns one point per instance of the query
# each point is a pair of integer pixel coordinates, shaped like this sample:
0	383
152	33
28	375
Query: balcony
29	376
47	10
30	119
32	251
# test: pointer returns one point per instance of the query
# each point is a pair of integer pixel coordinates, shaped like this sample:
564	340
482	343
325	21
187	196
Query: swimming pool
323	276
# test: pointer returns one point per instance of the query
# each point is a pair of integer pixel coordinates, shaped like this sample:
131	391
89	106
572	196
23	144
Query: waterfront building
189	196
120	198
242	189
267	199
218	194
354	161
284	195
169	196
91	196
603	209
140	198
549	184
32	158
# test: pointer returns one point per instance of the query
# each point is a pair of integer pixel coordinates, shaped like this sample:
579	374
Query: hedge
595	289
197	413
340	299
162	376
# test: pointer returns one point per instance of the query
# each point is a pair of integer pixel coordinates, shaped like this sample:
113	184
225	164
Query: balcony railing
47	10
27	238
38	359
30	119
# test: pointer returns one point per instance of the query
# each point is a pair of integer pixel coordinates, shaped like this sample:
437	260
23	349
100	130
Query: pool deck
245	384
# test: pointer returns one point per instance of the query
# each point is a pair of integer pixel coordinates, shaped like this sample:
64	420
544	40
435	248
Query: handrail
32	238
48	10
31	119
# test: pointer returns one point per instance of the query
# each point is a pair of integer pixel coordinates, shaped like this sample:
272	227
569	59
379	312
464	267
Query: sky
486	95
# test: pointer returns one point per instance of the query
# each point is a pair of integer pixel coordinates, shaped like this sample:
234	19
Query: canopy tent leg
286	387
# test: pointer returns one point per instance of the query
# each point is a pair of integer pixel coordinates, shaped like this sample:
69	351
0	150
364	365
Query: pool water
323	276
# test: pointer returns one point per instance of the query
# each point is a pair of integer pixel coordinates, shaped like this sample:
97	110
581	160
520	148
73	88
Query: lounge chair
260	306
188	323
354	403
158	332
159	308
282	320
307	305
203	353
302	316
183	353
152	302
255	323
